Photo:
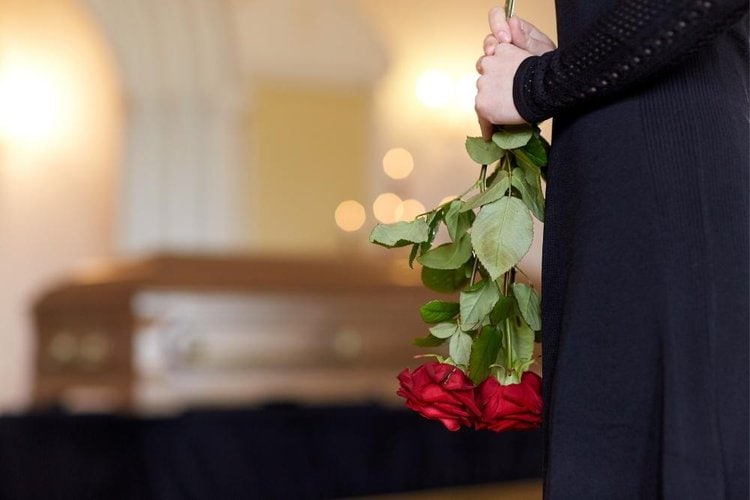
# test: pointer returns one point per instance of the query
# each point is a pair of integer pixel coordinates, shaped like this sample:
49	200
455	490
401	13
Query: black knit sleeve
629	44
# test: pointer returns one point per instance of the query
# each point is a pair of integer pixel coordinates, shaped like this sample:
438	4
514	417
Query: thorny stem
473	186
506	163
509	350
509	275
474	270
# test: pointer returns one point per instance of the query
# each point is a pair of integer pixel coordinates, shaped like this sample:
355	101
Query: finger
487	129
484	124
528	37
479	65
499	25
490	42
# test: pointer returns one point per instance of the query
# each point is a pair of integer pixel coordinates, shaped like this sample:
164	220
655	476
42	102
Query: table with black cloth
274	452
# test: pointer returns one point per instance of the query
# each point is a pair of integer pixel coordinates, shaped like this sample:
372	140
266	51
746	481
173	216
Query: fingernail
505	36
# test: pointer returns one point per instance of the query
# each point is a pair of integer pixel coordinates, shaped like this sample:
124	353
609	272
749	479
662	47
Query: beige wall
59	176
59	144
417	35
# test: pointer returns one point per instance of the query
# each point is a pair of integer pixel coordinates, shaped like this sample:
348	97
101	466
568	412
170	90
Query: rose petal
442	392
515	406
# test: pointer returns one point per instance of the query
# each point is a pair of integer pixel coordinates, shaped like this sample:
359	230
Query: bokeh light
350	215
386	207
398	163
34	100
409	209
466	91
447	199
435	88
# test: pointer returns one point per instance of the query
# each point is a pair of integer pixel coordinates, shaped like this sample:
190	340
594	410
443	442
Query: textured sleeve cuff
525	85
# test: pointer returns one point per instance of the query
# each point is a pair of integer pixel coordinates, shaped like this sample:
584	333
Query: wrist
525	83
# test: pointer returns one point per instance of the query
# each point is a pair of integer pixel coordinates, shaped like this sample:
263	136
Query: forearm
633	42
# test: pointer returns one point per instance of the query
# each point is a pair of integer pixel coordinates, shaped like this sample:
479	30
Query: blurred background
186	193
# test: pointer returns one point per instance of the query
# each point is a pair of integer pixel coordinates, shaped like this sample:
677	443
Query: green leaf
503	309
502	234
444	280
449	255
546	147
523	366
529	305
492	178
444	330
513	136
494	193
434	219
530	194
534	183
460	348
522	351
483	353
451	218
523	342
534	179
483	152
531	169
437	311
428	341
456	221
536	150
476	304
400	234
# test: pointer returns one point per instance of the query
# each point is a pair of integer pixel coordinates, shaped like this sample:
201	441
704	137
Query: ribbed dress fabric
645	265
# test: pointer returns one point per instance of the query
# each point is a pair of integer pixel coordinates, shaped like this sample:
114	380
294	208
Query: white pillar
182	181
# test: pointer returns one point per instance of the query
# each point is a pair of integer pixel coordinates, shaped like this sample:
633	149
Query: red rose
440	391
510	407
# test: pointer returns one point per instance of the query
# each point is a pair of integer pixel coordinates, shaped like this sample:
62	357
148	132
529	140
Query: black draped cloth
274	453
645	267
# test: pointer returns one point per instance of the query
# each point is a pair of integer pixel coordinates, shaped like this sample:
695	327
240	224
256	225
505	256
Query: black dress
645	267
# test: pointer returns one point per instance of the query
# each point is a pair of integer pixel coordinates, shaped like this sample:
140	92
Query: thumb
526	36
499	25
487	129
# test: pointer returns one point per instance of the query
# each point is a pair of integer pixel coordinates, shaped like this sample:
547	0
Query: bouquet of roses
484	382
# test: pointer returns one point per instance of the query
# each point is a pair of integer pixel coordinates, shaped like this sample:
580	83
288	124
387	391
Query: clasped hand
505	48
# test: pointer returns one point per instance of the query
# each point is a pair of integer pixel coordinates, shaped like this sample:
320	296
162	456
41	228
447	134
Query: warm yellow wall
307	145
299	178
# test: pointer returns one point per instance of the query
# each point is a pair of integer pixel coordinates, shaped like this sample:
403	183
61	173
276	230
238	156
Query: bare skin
505	48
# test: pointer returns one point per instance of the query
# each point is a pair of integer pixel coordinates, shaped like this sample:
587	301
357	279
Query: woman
645	268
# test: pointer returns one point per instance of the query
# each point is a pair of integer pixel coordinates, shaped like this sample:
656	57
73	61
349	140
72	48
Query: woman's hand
494	102
517	31
510	42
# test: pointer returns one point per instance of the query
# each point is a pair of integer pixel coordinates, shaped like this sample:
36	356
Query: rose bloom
440	391
510	407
